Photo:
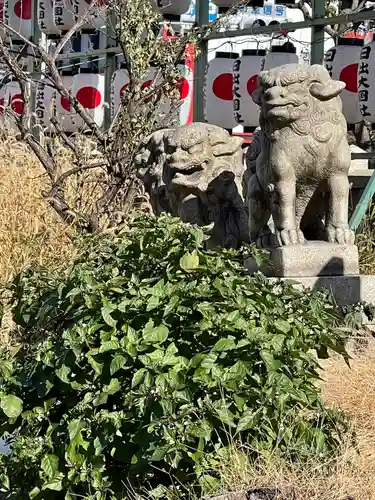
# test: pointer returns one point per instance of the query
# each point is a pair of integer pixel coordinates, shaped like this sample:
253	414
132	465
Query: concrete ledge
314	258
345	289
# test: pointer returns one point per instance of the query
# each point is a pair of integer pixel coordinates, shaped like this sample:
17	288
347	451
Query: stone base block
316	258
345	289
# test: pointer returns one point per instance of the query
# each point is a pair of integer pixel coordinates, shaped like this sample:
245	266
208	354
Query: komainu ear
324	92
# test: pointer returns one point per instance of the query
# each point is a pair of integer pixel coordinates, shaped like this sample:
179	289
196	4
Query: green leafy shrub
147	357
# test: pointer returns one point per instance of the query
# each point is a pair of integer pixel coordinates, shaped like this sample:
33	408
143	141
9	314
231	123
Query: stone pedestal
315	258
320	266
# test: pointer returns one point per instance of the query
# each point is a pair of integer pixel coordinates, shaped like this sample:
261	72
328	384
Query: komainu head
288	93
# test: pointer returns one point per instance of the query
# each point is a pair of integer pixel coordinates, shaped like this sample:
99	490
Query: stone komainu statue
195	172
299	164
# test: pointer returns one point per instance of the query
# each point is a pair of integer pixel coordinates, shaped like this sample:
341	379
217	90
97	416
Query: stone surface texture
299	162
345	289
259	494
317	258
196	172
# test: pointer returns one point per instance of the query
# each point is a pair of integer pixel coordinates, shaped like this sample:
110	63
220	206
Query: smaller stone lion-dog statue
196	172
301	159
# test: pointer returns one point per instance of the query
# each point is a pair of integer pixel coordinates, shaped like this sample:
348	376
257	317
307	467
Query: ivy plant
144	359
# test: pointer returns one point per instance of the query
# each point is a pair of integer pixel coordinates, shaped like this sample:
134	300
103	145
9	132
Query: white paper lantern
119	82
88	89
219	90
181	112
245	74
280	55
63	15
366	82
46	20
66	115
97	15
18	15
186	87
172	7
342	64
45	104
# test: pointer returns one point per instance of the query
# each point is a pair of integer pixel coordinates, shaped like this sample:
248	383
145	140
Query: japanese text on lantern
39	105
329	57
236	92
41	15
58	19
363	85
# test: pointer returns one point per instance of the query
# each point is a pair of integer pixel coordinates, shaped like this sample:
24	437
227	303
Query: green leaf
4	481
98	367
110	345
113	387
117	363
11	405
138	377
224	345
189	261
283	326
248	421
271	362
55	484
106	314
34	492
50	465
155	334
74	428
63	373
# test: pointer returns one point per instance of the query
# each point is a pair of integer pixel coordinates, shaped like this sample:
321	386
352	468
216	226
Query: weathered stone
345	289
195	172
300	160
315	258
271	494
259	494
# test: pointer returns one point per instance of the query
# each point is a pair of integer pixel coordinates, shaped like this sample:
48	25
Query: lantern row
89	89
57	16
231	80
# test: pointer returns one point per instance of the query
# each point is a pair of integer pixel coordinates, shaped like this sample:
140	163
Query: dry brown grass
29	230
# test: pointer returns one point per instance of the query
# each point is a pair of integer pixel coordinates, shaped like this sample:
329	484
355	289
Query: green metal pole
202	11
361	208
317	33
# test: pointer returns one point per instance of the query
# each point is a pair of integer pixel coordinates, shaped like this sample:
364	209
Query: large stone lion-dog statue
301	158
196	172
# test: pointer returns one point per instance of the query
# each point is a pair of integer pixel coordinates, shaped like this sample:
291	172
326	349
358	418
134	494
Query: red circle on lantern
89	97
222	87
123	88
22	9
252	84
184	87
349	76
17	104
65	103
146	84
